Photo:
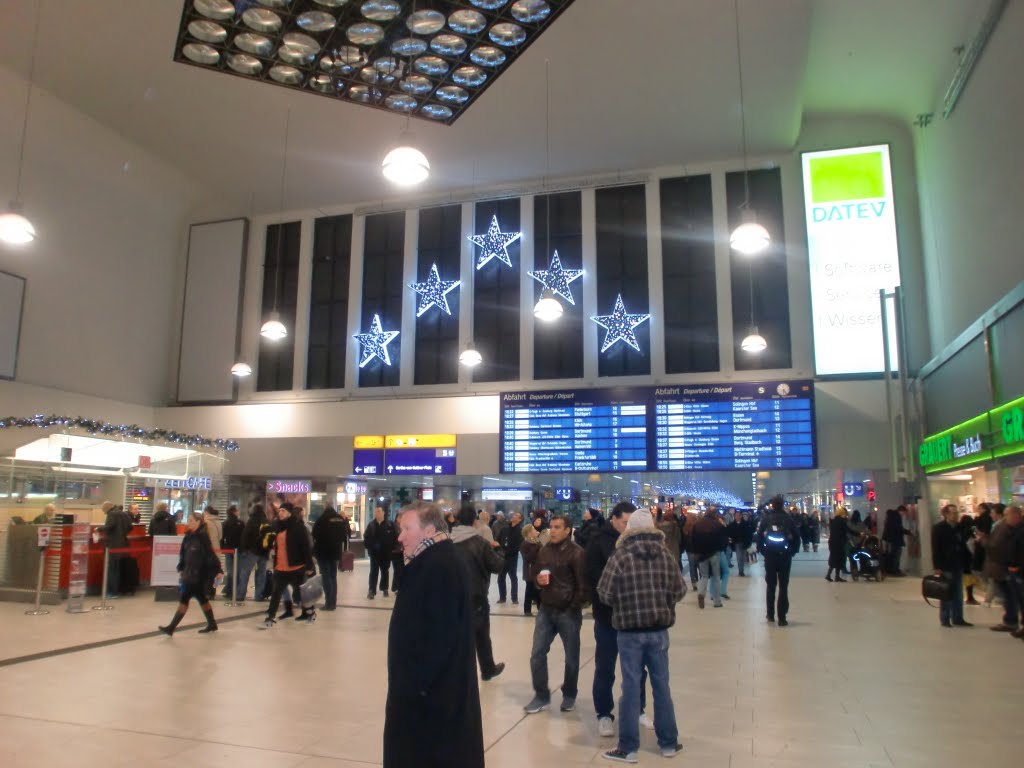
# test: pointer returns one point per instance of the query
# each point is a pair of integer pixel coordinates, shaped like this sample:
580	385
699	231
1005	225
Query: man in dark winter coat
947	559
231	538
510	539
480	560
328	534
379	538
778	539
432	715
162	524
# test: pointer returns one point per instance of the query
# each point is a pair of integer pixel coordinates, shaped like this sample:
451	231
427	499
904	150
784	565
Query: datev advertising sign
851	244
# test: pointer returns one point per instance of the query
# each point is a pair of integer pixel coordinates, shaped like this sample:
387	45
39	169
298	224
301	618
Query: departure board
762	425
599	430
737	426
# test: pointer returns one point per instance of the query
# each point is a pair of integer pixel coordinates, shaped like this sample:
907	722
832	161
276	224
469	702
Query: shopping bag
311	590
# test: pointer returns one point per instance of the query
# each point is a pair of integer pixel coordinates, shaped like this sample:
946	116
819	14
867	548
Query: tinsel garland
134	431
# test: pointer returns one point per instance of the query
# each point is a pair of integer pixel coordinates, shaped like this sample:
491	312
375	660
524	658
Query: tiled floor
864	676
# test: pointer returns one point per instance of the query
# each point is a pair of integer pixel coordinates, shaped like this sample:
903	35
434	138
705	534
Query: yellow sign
419	441
369	441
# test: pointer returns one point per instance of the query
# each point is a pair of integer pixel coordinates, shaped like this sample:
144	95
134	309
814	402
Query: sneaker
725	596
1003	628
718	604
645	721
568	704
700	601
498	669
605	726
672	750
537	705
618	756
268	623
287	613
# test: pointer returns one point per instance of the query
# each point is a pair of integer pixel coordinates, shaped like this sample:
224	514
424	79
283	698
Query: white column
527	226
302	302
723	273
655	279
467	273
355	302
252	313
409	298
588	215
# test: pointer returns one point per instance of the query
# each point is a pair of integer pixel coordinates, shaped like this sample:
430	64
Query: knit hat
640	519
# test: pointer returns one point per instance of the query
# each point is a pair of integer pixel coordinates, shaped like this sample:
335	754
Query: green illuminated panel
967	443
1007	423
847	177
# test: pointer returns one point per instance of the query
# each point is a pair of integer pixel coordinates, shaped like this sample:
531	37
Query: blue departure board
748	425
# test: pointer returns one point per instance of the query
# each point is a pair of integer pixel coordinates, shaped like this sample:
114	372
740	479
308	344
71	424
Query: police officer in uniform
778	539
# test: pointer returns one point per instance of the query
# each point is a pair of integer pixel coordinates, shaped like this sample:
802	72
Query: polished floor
863	677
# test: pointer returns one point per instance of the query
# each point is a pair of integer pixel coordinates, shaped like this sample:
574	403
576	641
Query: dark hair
289	506
211	511
256	513
855	518
466	516
233	509
329	510
623	508
564	518
777	503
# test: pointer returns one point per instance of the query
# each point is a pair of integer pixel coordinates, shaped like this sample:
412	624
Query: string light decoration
495	244
128	431
434	292
619	326
556	278
375	343
704	491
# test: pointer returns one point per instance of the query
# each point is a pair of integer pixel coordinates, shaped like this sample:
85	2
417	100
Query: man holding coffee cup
560	570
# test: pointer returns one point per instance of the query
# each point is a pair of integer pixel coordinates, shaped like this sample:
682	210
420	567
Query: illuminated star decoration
495	243
434	292
557	279
619	325
375	343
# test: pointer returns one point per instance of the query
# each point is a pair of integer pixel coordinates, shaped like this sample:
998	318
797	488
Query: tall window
329	339
558	346
437	333
496	303
280	292
383	290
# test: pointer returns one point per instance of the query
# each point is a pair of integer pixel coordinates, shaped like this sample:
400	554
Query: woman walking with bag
838	534
198	565
293	561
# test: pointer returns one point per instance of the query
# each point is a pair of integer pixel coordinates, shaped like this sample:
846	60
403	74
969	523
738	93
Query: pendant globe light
753	342
750	237
547	308
15	228
470	357
405	165
241	369
273	329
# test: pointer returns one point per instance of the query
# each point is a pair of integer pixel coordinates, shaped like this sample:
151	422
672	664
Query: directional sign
853	489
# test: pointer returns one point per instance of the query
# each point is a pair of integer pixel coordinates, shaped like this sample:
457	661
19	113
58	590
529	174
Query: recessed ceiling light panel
430	60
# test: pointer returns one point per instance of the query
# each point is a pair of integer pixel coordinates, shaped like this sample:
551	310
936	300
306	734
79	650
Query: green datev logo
843	180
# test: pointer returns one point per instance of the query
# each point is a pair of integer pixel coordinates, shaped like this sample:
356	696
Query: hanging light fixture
273	329
750	237
405	165
15	229
241	369
547	308
470	357
753	342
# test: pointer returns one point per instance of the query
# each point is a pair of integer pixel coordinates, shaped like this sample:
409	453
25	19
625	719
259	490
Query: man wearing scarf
432	715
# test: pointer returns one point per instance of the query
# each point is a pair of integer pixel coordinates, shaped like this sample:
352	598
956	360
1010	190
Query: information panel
853	253
594	430
749	426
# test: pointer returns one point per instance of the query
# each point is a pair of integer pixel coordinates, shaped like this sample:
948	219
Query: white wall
971	167
103	271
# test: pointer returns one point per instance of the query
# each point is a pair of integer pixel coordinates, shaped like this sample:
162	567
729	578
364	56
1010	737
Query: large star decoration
434	292
619	325
375	343
556	278
495	244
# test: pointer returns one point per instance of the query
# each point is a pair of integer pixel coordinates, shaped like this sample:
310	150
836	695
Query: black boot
211	623
178	616
287	613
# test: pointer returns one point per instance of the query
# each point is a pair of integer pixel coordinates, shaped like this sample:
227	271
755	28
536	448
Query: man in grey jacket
480	560
642	584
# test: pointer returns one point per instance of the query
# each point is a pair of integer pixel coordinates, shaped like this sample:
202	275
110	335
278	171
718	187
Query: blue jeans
638	650
605	656
246	562
952	610
329	574
723	565
566	625
711	567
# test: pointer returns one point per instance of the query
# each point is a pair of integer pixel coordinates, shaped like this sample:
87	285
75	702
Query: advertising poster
79	567
166	550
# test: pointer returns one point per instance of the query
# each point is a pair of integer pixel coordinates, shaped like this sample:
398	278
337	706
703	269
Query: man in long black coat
432	716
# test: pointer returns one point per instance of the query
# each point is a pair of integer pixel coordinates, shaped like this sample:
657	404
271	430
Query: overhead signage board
739	425
289	486
853	253
368	461
190	483
404	455
419	461
853	489
506	494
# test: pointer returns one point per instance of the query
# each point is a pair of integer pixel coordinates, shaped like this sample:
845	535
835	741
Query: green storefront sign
996	433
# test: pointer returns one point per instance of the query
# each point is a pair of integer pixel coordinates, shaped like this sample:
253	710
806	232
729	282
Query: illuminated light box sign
142	495
993	434
404	455
289	486
739	425
506	494
853	253
190	483
1007	422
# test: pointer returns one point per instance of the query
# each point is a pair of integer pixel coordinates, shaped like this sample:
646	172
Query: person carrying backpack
777	539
